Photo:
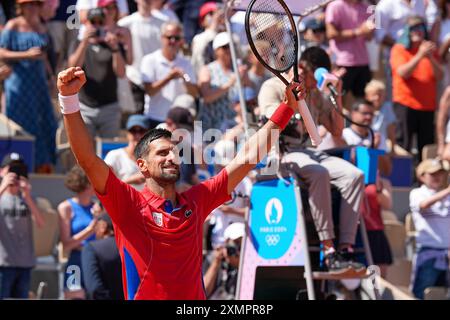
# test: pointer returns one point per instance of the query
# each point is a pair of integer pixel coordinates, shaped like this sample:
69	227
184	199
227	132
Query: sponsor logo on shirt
158	218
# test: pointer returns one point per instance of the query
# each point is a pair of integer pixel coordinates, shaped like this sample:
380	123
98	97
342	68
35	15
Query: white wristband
69	104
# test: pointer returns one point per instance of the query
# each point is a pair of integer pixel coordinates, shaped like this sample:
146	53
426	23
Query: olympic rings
272	239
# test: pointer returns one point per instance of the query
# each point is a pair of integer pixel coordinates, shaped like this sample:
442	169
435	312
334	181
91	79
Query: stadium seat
429	151
410	235
436	293
65	156
399	274
396	235
388	216
44	282
45	238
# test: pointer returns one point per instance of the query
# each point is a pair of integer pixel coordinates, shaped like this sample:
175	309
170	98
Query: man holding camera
220	278
100	56
17	210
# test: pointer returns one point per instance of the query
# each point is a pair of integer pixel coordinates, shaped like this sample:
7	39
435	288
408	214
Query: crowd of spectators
168	64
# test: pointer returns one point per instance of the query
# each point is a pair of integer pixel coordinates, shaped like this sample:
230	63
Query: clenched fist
70	81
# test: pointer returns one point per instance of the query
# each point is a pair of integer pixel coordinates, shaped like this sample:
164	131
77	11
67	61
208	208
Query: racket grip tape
282	115
309	123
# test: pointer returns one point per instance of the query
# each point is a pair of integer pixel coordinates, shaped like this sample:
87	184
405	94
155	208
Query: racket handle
309	123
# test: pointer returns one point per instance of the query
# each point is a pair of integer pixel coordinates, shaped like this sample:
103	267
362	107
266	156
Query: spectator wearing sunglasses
122	161
222	266
166	74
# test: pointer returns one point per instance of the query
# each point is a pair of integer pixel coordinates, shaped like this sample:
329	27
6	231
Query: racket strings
272	34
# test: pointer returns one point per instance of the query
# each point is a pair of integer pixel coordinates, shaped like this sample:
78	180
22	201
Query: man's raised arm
257	147
69	84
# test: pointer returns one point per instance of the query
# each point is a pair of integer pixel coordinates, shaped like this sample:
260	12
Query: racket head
272	36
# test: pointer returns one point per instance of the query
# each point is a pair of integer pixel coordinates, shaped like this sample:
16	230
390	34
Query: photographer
99	54
222	267
17	210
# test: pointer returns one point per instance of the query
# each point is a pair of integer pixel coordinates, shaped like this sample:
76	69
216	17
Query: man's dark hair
316	58
360	102
151	135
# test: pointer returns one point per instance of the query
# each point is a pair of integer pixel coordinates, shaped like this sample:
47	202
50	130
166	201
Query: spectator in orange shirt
415	72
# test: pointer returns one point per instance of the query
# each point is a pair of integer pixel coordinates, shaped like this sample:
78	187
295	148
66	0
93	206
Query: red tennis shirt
161	247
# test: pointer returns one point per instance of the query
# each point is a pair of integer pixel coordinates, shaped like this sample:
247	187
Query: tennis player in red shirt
158	231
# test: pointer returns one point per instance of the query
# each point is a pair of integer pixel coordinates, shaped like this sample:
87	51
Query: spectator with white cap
217	83
222	268
186	101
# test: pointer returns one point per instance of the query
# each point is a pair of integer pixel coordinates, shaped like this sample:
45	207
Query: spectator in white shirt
363	112
430	207
145	31
166	74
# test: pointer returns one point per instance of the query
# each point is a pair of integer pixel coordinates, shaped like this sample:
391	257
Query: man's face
363	115
172	38
435	181
162	162
224	53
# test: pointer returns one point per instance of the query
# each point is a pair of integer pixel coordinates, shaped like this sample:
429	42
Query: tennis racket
272	36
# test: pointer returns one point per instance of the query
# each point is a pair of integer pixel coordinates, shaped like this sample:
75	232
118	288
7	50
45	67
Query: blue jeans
14	282
428	276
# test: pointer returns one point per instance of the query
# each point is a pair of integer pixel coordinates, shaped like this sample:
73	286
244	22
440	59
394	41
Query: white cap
270	20
234	231
162	125
224	152
185	101
221	39
351	284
